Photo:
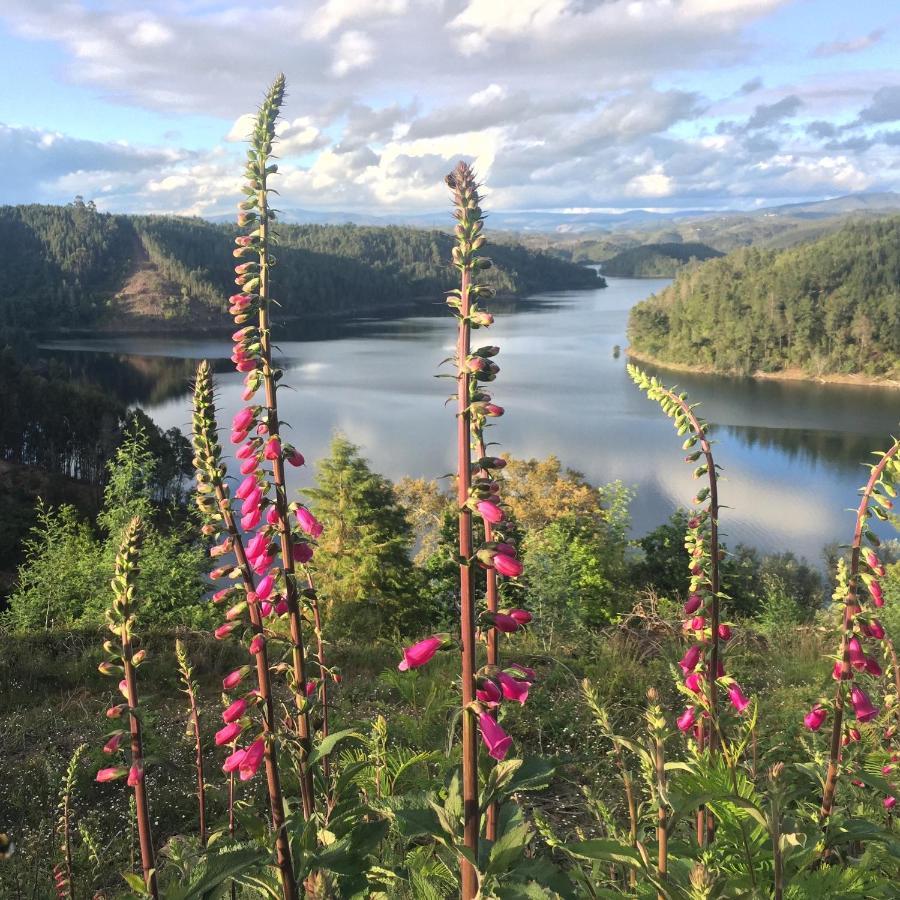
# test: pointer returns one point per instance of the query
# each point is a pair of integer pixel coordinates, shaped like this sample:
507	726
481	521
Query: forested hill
71	266
657	260
828	307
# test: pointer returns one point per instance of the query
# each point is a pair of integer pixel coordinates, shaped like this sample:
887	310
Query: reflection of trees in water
130	378
840	450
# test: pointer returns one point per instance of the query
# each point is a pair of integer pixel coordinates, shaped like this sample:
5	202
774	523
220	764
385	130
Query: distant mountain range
579	223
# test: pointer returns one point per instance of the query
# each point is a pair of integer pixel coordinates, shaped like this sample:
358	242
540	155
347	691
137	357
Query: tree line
66	264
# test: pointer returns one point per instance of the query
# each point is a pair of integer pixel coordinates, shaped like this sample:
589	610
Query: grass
52	698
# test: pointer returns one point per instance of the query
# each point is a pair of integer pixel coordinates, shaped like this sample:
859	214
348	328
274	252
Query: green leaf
136	883
604	850
327	745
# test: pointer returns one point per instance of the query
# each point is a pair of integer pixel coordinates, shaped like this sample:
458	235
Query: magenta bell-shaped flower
736	695
694	602
233	762
235	711
507	565
422	652
814	719
513	689
488	692
490	512
111	773
862	705
252	759
495	738
689	661
308	522
875	591
229	733
685	721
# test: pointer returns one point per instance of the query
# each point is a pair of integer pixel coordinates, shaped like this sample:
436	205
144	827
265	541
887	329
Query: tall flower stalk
702	663
857	623
64	873
257	431
123	660
215	503
190	689
478	495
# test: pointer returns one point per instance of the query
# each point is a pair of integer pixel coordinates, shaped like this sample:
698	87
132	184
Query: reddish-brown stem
493	650
264	686
145	838
281	504
851	601
471	813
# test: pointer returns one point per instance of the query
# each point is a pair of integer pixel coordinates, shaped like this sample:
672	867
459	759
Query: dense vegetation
71	266
831	306
657	260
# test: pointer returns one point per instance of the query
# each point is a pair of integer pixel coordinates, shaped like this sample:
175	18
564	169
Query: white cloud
354	50
578	103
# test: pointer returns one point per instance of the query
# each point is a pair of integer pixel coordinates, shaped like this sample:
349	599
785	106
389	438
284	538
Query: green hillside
657	260
71	266
828	307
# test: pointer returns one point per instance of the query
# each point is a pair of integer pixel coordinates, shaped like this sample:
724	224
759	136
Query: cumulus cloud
558	103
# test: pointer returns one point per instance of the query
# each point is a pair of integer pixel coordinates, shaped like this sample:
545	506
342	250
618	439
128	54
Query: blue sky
562	104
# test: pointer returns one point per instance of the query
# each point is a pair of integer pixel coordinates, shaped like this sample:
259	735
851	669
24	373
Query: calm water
791	451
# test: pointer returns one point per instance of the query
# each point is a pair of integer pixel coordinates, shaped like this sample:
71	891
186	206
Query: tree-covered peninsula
830	307
72	266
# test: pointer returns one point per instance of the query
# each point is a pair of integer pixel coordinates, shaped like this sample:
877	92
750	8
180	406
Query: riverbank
783	375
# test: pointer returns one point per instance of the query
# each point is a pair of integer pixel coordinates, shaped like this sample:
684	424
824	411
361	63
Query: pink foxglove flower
889	802
862	705
229	733
252	760
513	689
814	719
495	738
264	588
490	512
736	695
308	522
689	661
875	591
111	773
694	602
522	616
233	679
694	682
685	721
302	552
114	742
422	652
235	711
488	692
508	565
232	762
503	622
295	458
135	775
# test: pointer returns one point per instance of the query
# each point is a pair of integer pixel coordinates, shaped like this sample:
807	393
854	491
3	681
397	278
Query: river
792	452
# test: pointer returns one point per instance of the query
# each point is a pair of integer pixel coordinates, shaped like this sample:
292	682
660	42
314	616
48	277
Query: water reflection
791	450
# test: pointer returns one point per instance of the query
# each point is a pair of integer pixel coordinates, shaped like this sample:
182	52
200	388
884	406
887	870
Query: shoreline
783	375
